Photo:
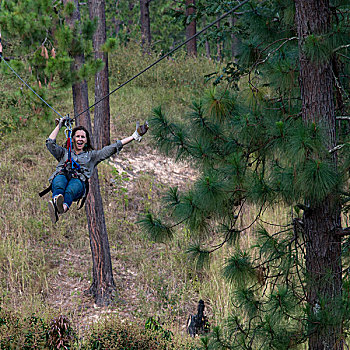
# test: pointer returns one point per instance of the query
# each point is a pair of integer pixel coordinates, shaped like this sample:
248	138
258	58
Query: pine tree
40	42
266	136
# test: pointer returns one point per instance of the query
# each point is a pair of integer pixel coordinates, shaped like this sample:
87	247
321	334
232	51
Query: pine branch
341	47
342	232
336	148
343	117
347	57
273	51
258	62
339	86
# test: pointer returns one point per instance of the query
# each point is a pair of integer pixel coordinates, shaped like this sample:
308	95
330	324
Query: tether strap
47	190
74	164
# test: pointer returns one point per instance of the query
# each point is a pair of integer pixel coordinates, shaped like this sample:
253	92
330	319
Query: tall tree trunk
218	43
103	286
207	43
102	110
191	29
131	6
145	25
79	89
234	39
323	246
116	19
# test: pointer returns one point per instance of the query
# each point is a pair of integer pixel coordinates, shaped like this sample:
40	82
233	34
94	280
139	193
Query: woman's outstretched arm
127	140
54	132
59	124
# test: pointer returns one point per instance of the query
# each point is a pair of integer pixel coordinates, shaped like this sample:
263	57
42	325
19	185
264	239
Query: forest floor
68	286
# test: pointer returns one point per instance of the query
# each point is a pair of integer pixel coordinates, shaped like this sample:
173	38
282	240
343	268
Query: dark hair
88	146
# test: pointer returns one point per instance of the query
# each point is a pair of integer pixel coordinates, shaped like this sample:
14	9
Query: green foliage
69	8
317	48
34	332
110	45
37	33
154	325
239	269
200	256
255	154
158	232
116	335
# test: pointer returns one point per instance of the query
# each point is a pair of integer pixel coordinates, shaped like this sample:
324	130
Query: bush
27	333
114	334
34	333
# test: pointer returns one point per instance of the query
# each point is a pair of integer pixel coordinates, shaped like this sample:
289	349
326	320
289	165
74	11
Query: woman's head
81	139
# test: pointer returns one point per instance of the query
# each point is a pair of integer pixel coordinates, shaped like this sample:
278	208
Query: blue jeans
71	190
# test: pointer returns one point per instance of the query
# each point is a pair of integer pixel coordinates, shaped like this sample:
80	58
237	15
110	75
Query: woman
68	182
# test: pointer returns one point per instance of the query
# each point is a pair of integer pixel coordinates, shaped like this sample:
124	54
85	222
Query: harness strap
70	160
82	200
47	190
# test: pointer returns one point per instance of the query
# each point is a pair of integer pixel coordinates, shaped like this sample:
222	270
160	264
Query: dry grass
44	268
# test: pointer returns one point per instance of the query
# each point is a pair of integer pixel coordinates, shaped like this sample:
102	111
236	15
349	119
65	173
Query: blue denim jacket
87	160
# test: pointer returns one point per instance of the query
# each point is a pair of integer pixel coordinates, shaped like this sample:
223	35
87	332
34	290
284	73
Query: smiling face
79	141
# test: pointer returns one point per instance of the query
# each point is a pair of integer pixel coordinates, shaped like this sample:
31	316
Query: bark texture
103	286
191	29
323	246
102	110
218	43
79	89
145	25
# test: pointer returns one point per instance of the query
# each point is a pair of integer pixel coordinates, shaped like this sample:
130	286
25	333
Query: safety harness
71	168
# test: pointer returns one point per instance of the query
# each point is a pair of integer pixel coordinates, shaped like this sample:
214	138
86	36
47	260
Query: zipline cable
28	85
138	74
165	56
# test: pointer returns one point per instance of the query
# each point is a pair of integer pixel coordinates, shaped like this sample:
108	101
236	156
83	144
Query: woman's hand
61	121
140	131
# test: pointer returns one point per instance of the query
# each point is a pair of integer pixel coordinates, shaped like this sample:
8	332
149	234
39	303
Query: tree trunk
234	39
130	21
116	19
191	29
323	246
207	43
102	110
102	287
145	25
79	89
218	43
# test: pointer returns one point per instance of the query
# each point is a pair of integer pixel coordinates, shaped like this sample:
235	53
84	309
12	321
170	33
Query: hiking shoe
58	201
52	212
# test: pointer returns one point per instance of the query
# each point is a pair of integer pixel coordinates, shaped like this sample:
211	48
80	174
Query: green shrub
114	334
16	333
35	333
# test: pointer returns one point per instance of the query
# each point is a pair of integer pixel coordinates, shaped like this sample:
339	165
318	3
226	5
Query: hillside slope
46	268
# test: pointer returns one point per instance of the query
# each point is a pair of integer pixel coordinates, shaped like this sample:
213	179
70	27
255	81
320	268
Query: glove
61	121
140	131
